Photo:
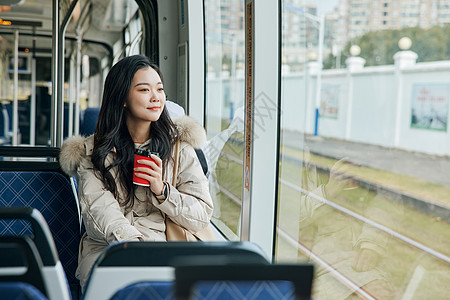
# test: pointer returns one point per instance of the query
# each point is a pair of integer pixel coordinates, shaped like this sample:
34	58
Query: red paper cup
141	155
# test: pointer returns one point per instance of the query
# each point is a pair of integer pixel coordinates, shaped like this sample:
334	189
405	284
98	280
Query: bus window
363	183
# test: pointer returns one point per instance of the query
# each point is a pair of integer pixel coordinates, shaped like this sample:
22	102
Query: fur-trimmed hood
74	149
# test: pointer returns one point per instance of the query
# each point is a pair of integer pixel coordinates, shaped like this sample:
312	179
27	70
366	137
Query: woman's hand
153	173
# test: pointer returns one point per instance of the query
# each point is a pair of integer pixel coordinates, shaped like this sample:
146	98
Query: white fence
404	106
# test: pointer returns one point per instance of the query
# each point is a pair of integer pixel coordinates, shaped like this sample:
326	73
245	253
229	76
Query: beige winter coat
188	202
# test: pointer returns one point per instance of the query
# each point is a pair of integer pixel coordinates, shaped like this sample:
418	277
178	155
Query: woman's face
146	98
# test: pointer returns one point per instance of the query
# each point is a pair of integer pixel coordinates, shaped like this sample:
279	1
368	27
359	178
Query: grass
398	259
407	184
229	213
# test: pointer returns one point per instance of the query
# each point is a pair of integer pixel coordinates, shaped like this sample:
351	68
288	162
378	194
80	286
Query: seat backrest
20	290
21	263
25	230
51	193
162	290
248	289
127	263
242	281
89	121
138	254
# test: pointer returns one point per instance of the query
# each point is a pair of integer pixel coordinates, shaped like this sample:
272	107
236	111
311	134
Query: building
300	33
368	15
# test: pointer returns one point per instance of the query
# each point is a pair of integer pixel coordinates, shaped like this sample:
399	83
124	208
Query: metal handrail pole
77	84
33	93
60	88
71	93
85	13
55	52
15	112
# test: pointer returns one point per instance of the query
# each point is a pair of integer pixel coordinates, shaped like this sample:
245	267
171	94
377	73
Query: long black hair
112	131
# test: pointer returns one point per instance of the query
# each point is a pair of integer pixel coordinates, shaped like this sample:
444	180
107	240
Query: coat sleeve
188	203
102	215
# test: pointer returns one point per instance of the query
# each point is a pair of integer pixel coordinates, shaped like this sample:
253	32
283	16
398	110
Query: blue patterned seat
227	290
52	195
161	290
20	290
89	121
202	279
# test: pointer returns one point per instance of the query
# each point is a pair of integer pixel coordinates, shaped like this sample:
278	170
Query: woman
132	116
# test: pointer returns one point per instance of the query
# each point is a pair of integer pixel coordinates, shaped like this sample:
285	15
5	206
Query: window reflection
224	40
366	198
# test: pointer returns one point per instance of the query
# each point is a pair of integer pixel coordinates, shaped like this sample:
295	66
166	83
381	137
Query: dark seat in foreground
197	280
29	255
124	264
21	269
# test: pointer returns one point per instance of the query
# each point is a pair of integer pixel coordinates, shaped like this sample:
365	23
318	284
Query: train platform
428	168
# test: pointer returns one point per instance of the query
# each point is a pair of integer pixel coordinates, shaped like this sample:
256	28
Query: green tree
329	62
379	47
